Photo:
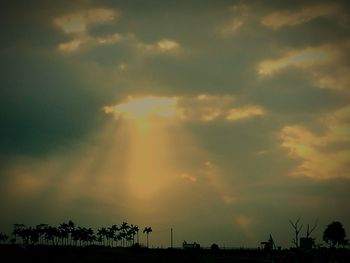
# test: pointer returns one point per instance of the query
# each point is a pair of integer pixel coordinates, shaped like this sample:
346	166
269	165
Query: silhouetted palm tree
63	232
41	232
23	234
112	233
52	234
75	235
147	230
117	238
136	229
17	230
133	231
124	228
102	235
71	227
88	236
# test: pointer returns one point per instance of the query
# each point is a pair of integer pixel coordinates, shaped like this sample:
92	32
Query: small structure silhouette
307	242
268	245
193	245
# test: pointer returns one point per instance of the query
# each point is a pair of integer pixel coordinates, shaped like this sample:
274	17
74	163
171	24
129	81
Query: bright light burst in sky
141	108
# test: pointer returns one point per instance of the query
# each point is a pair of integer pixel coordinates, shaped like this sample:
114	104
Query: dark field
13	253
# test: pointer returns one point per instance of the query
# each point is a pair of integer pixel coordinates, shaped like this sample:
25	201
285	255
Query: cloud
72	45
336	77
302	58
325	63
167	45
161	46
110	39
322	156
232	26
328	65
77	25
144	107
87	41
245	112
78	22
339	122
280	19
189	177
202	108
240	13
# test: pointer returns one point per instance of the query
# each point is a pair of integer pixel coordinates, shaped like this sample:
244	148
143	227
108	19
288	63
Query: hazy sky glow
221	119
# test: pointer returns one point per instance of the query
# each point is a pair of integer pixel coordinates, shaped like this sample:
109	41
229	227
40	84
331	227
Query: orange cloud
282	19
321	156
78	22
327	64
161	46
303	58
245	113
240	13
204	108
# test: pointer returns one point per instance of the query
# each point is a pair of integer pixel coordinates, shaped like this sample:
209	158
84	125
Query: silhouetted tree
32	235
334	234
310	230
133	231
71	227
147	230
214	247
112	233
136	229
124	232
51	234
117	238
3	237
64	231
88	236
76	236
297	230
102	235
41	228
17	231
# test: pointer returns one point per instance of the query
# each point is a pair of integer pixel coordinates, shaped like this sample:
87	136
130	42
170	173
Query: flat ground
12	253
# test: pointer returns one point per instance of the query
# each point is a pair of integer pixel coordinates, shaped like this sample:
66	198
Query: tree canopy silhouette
334	234
3	237
69	234
147	230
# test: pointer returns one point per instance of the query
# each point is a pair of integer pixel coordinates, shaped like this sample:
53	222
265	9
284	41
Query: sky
221	119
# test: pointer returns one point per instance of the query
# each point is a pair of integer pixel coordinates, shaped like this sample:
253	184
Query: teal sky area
221	119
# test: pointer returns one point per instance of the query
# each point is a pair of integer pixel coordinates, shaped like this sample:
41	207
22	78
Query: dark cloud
43	104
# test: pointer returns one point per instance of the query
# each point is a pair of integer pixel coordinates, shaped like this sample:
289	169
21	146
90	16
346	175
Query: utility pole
171	238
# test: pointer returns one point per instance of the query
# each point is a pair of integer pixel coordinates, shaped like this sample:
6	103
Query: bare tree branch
297	230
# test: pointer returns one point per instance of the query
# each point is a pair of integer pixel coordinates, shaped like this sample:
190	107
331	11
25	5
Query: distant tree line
69	234
126	235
